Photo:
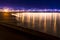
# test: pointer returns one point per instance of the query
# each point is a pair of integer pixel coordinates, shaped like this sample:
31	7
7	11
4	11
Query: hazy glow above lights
46	10
28	10
6	10
41	10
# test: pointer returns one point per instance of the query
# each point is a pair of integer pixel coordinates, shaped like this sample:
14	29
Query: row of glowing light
39	10
36	14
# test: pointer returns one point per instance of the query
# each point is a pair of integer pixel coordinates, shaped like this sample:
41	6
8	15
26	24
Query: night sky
31	3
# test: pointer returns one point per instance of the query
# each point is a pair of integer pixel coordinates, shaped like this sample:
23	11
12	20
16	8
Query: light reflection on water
44	22
5	16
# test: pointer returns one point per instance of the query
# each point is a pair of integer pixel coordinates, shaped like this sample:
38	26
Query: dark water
46	23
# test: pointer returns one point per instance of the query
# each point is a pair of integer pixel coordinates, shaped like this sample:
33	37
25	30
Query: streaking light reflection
41	16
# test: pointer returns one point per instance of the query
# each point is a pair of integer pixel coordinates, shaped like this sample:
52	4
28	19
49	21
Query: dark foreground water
47	23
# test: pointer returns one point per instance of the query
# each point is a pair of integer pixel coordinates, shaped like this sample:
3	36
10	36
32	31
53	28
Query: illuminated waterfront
43	22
